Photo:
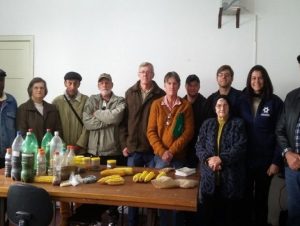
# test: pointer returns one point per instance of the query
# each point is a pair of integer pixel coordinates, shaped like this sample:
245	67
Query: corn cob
43	179
161	174
122	171
115	181
104	179
149	176
143	175
136	177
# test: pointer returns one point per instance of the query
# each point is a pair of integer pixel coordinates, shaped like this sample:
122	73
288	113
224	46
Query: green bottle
46	145
27	173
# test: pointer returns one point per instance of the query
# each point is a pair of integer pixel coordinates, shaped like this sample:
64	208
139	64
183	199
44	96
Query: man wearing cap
135	144
288	136
8	112
224	79
102	115
70	106
198	101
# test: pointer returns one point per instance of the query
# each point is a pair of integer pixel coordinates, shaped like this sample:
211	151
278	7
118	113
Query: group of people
238	139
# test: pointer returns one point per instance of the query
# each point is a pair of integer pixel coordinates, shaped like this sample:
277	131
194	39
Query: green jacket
103	125
73	132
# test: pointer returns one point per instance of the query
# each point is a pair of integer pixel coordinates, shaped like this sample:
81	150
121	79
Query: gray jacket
103	125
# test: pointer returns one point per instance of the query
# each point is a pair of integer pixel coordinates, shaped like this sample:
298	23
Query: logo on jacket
265	111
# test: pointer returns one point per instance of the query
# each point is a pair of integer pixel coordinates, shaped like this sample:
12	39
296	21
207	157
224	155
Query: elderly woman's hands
214	163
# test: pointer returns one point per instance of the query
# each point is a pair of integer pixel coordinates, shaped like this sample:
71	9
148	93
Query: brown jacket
160	134
29	117
134	126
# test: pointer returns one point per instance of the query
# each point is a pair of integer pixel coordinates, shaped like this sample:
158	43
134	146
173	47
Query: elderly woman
260	109
37	113
221	149
170	128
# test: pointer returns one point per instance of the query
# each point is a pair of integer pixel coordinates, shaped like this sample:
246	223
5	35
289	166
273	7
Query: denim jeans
140	159
168	217
292	180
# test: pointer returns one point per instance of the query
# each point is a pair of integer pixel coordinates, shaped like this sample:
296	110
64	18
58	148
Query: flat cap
104	75
298	58
73	76
2	73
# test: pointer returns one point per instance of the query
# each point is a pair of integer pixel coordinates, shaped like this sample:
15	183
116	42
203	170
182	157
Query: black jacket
287	124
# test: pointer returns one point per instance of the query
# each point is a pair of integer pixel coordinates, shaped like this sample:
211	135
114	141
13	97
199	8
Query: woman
170	125
260	109
37	113
170	128
221	149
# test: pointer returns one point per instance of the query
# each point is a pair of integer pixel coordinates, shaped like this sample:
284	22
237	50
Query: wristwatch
285	151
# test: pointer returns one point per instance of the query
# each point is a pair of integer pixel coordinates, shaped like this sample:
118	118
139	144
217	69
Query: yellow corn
149	176
104	179
143	175
161	174
43	179
136	177
115	181
122	171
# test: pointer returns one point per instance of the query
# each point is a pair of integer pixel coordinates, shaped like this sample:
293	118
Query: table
129	194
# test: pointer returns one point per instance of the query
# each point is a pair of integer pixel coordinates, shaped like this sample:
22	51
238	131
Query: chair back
29	204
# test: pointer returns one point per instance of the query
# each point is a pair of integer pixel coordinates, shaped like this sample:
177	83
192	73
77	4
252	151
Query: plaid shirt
297	136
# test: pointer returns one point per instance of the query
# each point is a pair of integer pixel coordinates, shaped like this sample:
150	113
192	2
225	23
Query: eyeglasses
168	121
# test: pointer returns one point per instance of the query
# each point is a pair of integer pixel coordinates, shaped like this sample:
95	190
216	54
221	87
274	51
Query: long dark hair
267	89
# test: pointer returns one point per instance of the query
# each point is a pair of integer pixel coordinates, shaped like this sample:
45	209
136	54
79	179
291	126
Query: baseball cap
104	75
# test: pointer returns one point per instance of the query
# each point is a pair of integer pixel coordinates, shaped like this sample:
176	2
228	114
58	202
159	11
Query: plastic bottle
16	157
7	171
41	169
56	169
71	155
27	172
34	147
56	145
46	144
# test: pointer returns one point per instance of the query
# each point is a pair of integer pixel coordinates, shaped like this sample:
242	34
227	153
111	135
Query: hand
167	156
214	163
272	170
293	160
125	152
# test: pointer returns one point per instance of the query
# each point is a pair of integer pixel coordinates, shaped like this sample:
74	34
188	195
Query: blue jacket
262	148
8	112
232	153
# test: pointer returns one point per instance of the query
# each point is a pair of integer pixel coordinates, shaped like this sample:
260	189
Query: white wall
115	36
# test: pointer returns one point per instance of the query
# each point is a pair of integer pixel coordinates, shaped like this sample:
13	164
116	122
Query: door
16	59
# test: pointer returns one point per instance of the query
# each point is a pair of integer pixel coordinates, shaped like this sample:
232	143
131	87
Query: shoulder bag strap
77	116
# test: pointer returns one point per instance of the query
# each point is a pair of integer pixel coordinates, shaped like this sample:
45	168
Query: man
198	101
8	112
70	106
288	135
102	115
224	80
135	144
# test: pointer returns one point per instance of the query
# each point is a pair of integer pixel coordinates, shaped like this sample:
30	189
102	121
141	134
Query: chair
28	205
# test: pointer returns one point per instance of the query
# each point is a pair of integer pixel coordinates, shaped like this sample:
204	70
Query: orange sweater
160	135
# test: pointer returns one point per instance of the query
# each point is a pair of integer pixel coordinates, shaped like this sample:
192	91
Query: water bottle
56	169
56	145
46	145
41	169
28	146
34	147
16	157
71	155
7	171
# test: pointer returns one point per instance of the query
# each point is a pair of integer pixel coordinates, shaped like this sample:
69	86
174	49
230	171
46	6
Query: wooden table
129	194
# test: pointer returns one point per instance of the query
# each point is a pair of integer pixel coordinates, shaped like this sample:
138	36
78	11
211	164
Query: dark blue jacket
8	113
232	153
262	148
